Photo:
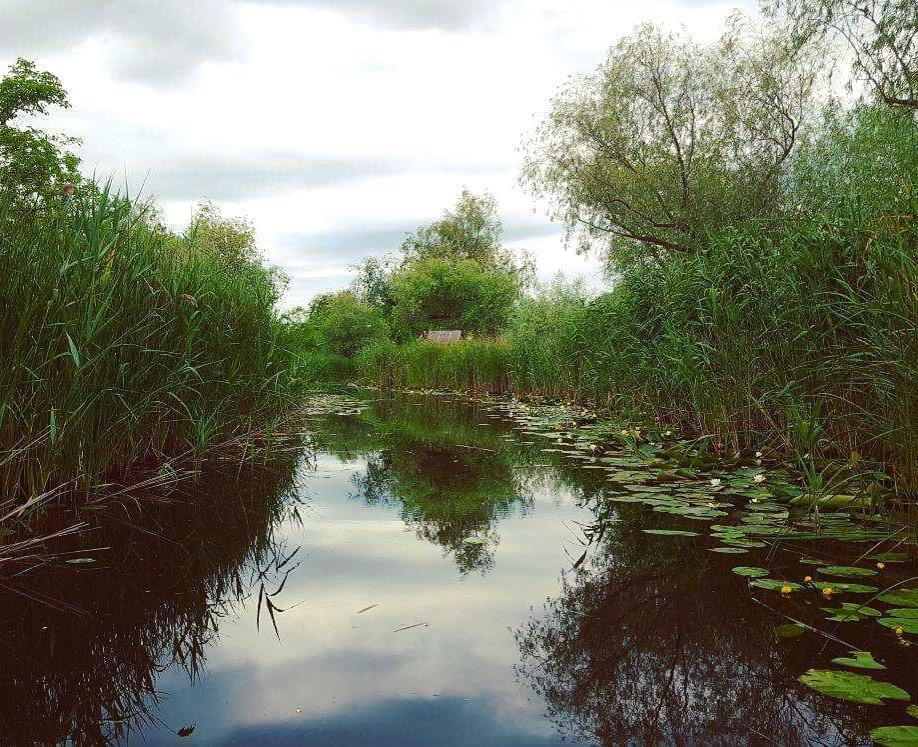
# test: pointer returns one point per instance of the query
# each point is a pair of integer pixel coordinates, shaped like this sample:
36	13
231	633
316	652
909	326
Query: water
431	576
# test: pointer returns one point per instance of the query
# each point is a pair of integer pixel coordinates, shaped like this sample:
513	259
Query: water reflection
658	642
452	478
84	643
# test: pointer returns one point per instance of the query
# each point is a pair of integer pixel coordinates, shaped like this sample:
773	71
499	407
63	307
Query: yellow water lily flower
786	589
899	631
807	579
828	591
881	566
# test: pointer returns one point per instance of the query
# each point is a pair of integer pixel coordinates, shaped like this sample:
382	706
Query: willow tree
670	139
881	35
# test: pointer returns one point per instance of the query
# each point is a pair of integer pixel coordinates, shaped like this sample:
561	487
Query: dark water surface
436	577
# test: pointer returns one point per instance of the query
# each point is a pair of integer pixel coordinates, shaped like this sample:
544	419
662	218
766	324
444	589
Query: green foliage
452	274
670	140
119	342
857	688
447	293
34	166
344	324
879	34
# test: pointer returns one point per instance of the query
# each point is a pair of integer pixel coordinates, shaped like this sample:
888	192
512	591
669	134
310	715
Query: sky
335	126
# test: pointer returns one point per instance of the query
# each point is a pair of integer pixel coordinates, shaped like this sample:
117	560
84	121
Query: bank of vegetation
759	236
122	344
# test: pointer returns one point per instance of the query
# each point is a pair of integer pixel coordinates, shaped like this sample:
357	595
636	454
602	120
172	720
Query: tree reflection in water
83	644
652	642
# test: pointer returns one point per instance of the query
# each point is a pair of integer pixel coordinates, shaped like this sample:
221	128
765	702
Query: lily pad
774	585
790	630
901	597
750	571
857	688
729	550
895	736
909	613
670	532
851	612
860	660
908	625
846	571
912	711
839	586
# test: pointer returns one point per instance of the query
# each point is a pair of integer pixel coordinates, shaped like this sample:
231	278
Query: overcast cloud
337	126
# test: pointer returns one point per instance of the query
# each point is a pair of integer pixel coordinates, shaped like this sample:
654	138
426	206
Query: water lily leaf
859	659
751	571
670	532
846	571
912	711
850	612
729	550
858	688
895	736
901	597
909	613
908	625
845	586
790	630
774	585
81	561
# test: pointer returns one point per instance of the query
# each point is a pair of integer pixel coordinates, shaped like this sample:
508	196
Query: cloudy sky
335	125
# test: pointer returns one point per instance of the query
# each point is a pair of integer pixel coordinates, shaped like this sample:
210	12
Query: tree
344	324
881	34
34	165
371	283
448	293
670	139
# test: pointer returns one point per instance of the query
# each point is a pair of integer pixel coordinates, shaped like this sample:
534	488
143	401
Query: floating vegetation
901	597
895	736
775	585
846	571
750	571
858	688
670	532
859	660
790	630
901	624
850	612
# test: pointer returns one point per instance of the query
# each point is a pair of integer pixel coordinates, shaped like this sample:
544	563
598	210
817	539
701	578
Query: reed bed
121	343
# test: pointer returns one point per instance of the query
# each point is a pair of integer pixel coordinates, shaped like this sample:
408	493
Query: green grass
120	342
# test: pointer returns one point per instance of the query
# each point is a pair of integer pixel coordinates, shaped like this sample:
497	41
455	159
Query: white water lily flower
759	478
715	481
755	500
758	454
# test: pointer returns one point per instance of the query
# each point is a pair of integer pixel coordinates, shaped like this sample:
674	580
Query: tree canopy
34	165
670	139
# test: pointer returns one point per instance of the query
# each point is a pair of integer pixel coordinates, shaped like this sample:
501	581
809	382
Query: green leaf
912	711
908	625
848	571
670	532
901	597
909	613
845	586
476	540
729	550
851	611
74	353
895	736
857	688
751	571
860	660
773	584
790	630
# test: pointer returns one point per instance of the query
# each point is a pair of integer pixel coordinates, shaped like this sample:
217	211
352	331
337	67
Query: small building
442	335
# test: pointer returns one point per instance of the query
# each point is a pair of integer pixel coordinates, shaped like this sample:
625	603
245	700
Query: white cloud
335	126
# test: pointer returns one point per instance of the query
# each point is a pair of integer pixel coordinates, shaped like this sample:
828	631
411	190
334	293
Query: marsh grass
121	344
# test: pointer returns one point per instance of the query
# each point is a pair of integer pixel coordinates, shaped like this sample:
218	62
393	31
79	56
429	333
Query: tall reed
121	342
